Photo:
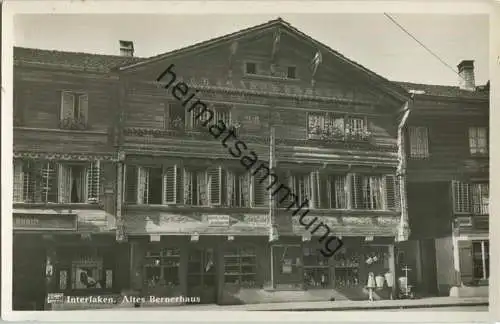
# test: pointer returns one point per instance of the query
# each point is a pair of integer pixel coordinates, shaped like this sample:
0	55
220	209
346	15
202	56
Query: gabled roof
71	60
444	91
263	27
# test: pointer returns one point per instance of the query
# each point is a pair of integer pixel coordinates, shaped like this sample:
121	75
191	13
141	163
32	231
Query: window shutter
170	185
315	190
142	184
472	140
83	108
131	189
461	197
203	188
230	188
124	183
245	190
392	194
260	193
67	106
18	181
64	183
215	185
356	191
187	184
93	181
179	184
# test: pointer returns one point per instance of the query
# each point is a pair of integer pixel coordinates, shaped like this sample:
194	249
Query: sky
371	40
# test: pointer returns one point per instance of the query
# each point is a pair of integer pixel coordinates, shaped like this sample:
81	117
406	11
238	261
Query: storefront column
483	259
392	270
135	266
50	268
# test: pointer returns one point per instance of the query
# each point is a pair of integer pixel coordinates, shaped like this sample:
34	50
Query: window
325	125
478	140
87	272
250	68
195	187
356	128
471	198
79	182
240	267
219	113
162	266
481	259
153	185
330	126
337	191
366	192
74	110
150	185
316	269
238	189
35	182
419	142
291	72
174	116
222	113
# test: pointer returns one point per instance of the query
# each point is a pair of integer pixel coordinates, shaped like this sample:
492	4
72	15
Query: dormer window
291	72
251	68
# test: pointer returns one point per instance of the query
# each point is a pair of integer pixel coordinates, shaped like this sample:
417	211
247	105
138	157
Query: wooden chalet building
447	170
116	179
199	224
65	107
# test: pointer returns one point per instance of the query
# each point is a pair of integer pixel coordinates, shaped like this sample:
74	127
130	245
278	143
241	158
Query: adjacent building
447	168
121	184
65	160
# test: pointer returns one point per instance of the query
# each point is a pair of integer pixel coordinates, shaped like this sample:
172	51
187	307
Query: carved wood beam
315	63
67	156
233	49
276	44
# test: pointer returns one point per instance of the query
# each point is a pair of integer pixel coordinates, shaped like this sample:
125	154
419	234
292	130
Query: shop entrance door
202	275
28	274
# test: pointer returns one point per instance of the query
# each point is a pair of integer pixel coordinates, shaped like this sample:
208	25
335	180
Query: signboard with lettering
52	222
218	220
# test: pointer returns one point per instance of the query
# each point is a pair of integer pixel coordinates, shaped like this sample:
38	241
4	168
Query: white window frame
475	139
470	192
419	142
75	108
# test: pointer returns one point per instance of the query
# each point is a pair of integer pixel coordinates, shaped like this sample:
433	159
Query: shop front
201	268
51	254
301	266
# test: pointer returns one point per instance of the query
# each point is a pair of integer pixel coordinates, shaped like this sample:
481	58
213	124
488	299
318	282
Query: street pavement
439	309
450	304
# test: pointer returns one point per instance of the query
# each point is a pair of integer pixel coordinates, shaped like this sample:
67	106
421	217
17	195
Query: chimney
466	73
126	48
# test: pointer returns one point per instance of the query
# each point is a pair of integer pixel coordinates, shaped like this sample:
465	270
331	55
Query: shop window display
162	267
240	266
316	269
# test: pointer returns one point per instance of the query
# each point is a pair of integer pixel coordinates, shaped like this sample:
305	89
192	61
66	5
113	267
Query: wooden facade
64	188
184	192
166	209
447	147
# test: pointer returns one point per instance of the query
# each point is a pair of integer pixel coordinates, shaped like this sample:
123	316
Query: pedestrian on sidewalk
370	285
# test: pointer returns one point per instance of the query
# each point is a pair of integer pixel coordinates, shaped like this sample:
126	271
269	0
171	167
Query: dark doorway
202	275
28	273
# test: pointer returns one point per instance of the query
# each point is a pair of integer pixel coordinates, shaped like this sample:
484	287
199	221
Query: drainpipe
404	228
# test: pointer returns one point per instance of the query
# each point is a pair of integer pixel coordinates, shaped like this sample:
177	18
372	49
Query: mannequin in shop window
86	281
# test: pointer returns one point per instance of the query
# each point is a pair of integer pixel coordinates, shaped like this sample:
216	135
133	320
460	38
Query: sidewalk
327	305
